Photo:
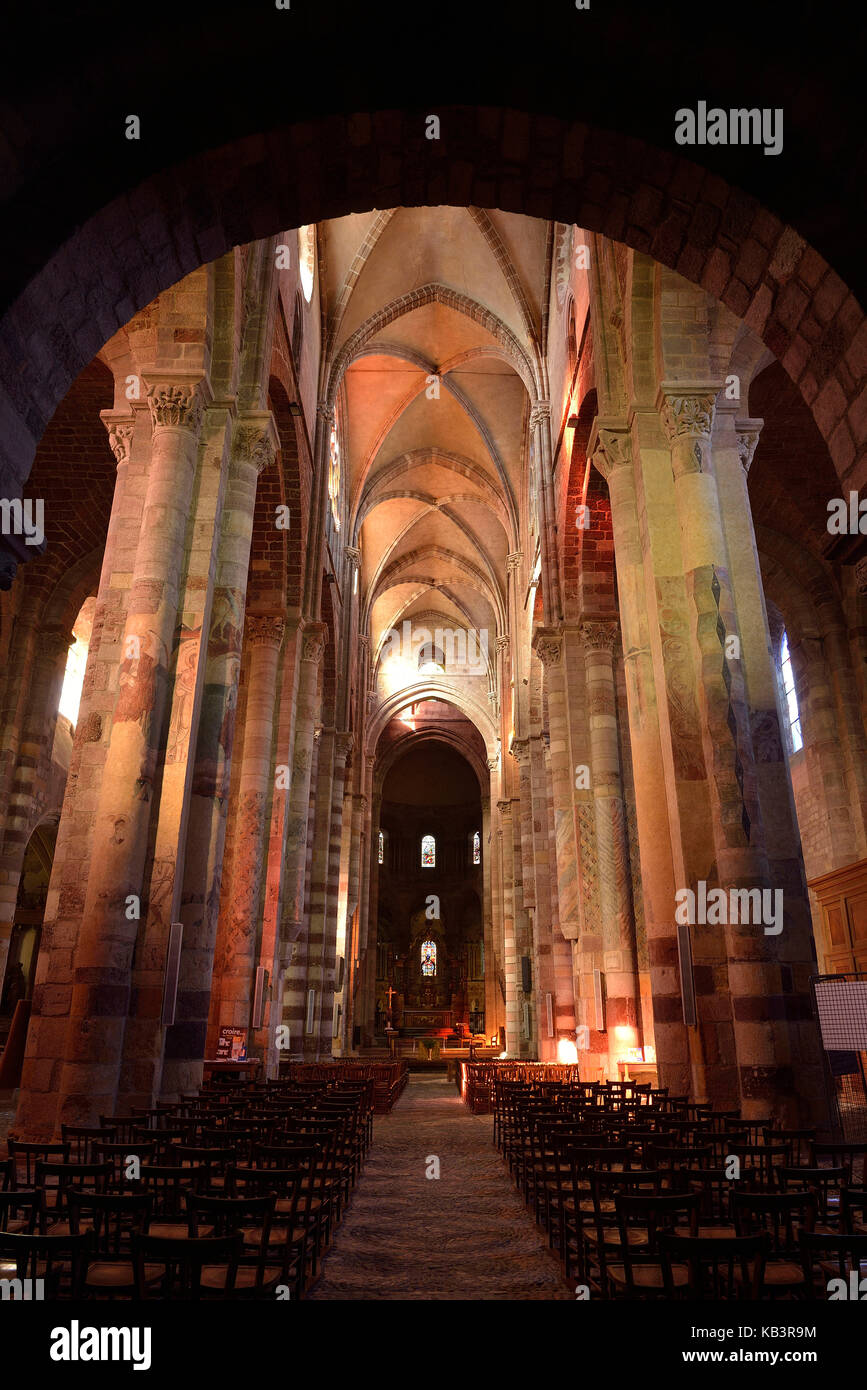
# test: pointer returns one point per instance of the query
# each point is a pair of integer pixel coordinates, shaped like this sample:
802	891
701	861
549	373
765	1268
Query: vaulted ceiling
433	323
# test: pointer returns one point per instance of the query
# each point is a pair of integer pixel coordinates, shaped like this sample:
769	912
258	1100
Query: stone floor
465	1235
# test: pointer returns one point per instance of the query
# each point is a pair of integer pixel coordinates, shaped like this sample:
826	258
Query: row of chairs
222	1194
643	1194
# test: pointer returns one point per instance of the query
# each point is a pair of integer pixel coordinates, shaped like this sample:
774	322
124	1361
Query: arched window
428	852
431	660
307	258
428	958
381	847
334	478
477	848
793	714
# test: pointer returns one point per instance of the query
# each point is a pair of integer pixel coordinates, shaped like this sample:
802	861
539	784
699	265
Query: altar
426	1020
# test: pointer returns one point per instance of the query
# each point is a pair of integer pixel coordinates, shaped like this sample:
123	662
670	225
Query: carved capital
353	555
372	699
540	413
264	630
548	646
504	808
503	643
120	429
493	764
599	636
748	432
344	743
176	404
325	411
313	642
613	450
514	560
687	412
255	442
520	751
364	641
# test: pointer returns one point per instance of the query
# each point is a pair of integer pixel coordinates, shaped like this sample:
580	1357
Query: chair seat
717	1231
778	1273
246	1276
278	1235
119	1274
648	1276
175	1230
635	1236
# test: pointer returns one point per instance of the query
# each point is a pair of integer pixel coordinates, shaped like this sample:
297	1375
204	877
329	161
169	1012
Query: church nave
465	1235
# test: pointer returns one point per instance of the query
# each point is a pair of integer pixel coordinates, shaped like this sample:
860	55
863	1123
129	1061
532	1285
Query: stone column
548	646
534	894
619	956
540	421
241	916
313	640
611	449
342	748
100	1001
497	965
510	952
252	449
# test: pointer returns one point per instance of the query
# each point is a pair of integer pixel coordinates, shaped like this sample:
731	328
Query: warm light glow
73	680
306	259
566	1051
649	1053
626	1035
432	668
503	1056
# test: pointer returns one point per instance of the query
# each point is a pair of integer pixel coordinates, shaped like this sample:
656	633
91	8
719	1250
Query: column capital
540	413
548	645
687	408
255	439
325	411
609	446
344	742
520	751
504	808
503	642
264	630
372	699
748	432
600	634
493	763
313	639
513	561
120	431
177	401
364	641
353	555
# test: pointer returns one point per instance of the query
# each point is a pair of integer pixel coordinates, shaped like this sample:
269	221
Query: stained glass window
790	695
428	852
477	848
428	958
381	847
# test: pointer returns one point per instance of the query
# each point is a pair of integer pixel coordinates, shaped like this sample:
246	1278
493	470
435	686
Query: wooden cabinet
842	897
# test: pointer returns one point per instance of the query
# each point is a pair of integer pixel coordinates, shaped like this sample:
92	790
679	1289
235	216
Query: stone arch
709	231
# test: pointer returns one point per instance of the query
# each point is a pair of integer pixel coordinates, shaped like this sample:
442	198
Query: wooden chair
21	1211
58	1179
853	1215
713	1264
638	1272
176	1269
81	1140
167	1185
56	1259
29	1155
827	1255
781	1216
259	1273
113	1221
827	1184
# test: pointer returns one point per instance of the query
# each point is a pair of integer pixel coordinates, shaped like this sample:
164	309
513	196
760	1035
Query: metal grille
840	1006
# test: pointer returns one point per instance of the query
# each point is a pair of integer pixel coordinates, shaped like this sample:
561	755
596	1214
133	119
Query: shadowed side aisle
465	1235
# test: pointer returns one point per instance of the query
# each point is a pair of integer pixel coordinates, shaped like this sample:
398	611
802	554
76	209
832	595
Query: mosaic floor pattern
464	1235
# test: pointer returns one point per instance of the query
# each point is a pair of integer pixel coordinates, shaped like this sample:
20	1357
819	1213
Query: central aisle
465	1235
